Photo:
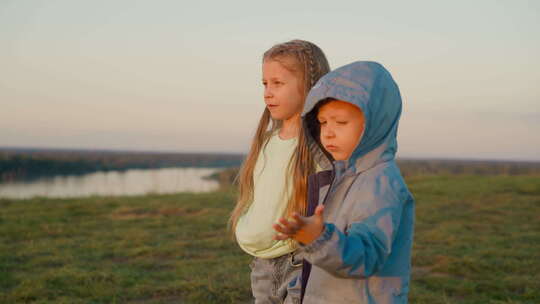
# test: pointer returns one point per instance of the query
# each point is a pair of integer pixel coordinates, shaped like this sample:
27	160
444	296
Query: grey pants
276	280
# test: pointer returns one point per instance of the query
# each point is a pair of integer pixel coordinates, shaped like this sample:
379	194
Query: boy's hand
303	229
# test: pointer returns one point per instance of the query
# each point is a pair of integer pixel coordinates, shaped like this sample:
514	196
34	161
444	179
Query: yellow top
254	230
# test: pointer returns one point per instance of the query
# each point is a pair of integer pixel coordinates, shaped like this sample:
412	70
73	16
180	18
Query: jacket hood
369	86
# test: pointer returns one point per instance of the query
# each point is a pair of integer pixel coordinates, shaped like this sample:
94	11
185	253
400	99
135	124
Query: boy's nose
327	132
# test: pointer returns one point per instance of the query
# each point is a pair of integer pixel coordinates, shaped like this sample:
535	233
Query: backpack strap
315	182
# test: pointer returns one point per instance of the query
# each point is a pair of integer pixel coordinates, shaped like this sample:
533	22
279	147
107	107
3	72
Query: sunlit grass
476	241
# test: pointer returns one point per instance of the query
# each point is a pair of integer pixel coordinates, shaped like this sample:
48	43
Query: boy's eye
342	122
322	122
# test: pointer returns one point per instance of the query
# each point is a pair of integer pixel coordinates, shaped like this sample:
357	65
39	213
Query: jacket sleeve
364	247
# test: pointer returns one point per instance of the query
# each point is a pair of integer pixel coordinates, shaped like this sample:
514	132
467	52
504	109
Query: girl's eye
342	122
322	122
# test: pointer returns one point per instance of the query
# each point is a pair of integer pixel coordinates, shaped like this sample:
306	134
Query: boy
357	242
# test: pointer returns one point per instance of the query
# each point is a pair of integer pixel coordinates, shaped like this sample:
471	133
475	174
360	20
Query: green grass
477	240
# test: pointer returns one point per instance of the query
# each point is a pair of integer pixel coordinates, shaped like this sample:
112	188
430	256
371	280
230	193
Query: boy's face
281	90
341	124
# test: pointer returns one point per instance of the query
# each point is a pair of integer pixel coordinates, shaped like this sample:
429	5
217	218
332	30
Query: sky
185	76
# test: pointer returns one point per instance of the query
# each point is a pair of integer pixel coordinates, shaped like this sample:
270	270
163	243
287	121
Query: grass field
477	240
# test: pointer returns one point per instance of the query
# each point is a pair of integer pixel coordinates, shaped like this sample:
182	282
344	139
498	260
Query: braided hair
309	60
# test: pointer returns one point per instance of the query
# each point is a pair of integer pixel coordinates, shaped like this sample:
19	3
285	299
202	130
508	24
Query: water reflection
129	182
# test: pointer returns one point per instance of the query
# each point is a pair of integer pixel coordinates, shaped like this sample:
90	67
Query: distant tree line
410	167
19	167
31	164
413	167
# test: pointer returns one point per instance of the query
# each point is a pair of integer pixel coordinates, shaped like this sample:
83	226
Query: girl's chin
277	116
281	116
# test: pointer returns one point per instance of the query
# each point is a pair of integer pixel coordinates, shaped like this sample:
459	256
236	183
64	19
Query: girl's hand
303	229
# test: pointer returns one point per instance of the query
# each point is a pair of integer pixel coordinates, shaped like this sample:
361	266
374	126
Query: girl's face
282	93
342	125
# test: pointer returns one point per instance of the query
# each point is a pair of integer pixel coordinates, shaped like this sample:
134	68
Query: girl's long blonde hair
309	63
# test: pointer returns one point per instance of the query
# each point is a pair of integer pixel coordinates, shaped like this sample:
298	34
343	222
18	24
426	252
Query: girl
266	188
357	245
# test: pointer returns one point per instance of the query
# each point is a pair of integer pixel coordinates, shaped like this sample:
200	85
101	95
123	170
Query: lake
114	183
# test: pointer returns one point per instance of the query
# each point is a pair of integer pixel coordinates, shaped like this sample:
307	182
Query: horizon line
112	150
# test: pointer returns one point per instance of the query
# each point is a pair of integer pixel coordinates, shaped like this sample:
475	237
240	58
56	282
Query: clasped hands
301	228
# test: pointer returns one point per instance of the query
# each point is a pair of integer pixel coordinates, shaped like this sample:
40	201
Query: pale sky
186	76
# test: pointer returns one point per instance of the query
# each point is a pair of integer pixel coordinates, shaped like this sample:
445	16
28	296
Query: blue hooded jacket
364	252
